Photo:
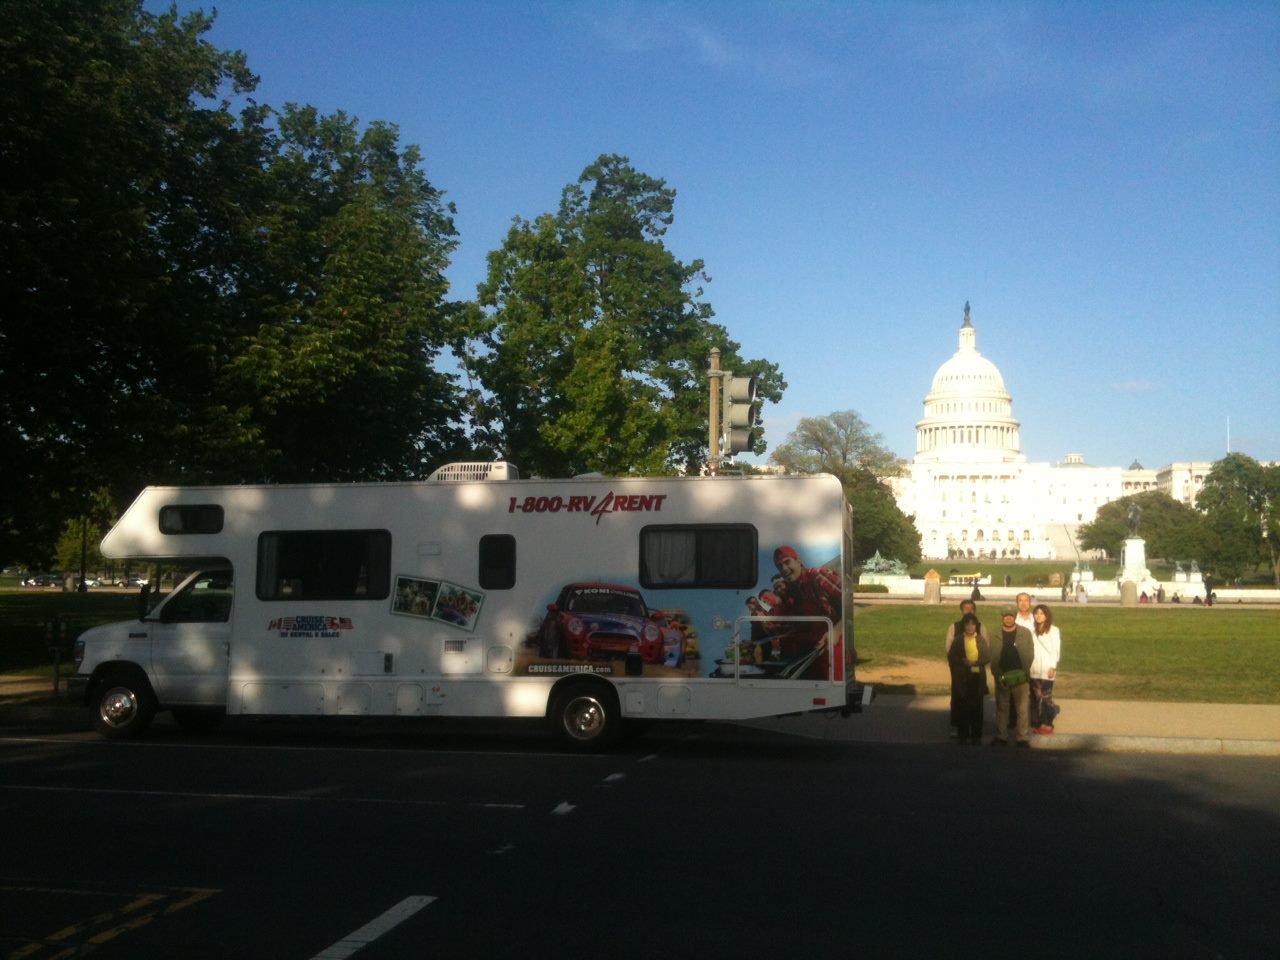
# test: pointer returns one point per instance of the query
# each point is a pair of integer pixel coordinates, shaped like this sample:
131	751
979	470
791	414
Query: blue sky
1101	181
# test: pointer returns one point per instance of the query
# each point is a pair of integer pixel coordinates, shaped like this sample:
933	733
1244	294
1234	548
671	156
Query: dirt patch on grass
906	674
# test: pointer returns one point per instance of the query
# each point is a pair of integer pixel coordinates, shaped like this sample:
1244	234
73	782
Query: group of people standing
1022	657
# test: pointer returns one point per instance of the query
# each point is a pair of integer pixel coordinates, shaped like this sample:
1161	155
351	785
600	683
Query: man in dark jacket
1012	650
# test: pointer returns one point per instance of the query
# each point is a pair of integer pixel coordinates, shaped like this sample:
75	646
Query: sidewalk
1107	725
19	689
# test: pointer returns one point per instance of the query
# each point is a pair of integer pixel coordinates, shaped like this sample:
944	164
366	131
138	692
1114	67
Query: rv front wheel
123	707
586	718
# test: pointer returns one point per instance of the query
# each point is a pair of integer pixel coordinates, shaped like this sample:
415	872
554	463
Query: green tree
337	378
190	293
107	109
843	445
1240	501
1172	530
590	338
79	534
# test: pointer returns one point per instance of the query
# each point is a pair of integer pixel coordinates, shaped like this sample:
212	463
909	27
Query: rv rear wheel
586	717
124	706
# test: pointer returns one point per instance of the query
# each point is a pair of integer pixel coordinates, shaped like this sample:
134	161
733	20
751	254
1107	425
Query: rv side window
191	518
324	565
699	555
497	561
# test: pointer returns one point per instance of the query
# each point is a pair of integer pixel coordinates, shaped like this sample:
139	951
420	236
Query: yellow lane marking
106	926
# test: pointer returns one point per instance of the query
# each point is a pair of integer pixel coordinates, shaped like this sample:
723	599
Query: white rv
591	602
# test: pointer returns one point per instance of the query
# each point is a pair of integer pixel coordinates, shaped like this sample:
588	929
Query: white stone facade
973	493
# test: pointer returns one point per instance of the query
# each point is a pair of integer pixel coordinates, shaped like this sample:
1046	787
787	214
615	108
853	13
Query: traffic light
741	413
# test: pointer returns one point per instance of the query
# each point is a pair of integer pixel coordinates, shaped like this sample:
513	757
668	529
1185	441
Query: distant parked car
42	580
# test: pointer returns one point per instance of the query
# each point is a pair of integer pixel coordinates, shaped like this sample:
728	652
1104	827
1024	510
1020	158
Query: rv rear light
819	701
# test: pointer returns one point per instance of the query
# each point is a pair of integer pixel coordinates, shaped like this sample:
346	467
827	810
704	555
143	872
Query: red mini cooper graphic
601	620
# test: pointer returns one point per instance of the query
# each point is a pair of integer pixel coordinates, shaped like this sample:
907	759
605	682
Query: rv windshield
204	597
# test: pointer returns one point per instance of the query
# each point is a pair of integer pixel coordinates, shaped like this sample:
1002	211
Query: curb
43	705
1167	745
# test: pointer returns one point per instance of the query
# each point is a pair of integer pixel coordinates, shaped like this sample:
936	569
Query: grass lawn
1219	654
1193	654
24	613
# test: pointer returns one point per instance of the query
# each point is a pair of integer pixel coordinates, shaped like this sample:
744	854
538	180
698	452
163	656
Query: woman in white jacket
1044	669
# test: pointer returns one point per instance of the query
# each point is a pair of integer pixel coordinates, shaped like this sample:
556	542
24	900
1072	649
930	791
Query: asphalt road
301	840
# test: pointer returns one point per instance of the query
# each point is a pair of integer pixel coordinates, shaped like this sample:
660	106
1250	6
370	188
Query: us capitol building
974	495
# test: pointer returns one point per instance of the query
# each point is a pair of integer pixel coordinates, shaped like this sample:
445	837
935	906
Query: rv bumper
859	695
77	688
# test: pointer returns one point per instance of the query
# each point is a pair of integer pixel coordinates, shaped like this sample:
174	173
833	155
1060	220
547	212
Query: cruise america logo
309	627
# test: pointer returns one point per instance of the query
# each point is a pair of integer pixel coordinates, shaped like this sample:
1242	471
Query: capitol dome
968	412
967	372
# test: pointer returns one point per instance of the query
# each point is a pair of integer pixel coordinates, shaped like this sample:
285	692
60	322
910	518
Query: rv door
191	641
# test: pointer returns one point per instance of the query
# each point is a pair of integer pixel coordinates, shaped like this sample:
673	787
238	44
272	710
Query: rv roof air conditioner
496	470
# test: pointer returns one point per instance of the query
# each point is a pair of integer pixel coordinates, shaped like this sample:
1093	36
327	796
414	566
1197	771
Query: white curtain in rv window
669	556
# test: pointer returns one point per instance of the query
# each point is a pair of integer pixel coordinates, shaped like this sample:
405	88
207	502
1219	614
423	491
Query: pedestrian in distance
968	657
1023	619
1044	670
1012	651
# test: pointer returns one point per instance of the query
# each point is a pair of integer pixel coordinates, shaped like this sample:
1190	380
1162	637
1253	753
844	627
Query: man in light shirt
1025	617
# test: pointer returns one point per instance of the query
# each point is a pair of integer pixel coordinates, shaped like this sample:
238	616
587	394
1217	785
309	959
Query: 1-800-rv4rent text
591	602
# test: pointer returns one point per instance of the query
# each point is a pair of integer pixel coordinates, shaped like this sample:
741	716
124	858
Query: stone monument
933	587
892	573
1133	561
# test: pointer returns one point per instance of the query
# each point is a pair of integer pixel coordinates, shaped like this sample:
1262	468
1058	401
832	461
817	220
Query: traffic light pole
713	446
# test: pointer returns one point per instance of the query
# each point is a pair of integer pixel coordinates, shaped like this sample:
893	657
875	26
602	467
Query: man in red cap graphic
811	592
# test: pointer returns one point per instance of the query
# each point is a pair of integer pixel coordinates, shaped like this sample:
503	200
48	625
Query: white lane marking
375	928
564	808
614	777
95	740
273	797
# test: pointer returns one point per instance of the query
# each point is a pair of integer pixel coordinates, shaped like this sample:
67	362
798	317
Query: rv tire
585	715
123	705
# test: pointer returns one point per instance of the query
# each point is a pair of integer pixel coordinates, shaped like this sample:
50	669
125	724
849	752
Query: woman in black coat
968	658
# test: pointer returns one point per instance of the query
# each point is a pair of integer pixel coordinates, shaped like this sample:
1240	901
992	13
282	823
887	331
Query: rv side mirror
553	608
144	597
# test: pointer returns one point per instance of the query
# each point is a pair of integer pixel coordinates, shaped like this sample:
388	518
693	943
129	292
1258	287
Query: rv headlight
78	654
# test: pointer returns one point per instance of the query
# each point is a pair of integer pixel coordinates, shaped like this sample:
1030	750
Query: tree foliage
334	369
1240	501
843	445
193	293
1172	530
591	338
